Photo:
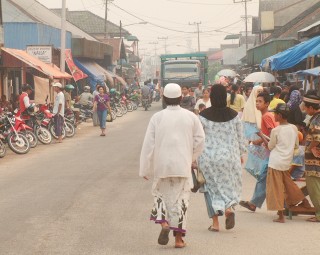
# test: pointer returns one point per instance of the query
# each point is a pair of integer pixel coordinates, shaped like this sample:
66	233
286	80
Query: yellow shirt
275	102
238	103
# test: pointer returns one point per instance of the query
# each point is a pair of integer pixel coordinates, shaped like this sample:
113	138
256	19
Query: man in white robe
174	139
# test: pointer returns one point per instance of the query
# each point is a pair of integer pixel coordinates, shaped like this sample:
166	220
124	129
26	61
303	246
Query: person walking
187	102
275	93
221	159
198	92
281	190
204	100
312	155
267	124
58	110
95	118
173	140
236	101
101	105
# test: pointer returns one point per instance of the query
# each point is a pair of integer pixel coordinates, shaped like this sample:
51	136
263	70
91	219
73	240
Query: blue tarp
313	71
293	56
95	75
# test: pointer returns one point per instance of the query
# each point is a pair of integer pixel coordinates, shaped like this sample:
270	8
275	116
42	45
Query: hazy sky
173	15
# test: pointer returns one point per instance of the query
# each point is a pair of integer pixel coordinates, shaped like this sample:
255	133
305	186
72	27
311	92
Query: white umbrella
227	73
260	77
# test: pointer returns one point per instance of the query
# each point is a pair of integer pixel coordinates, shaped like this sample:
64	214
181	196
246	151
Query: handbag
198	179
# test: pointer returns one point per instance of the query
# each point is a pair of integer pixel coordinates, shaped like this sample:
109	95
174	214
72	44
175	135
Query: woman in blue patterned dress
221	159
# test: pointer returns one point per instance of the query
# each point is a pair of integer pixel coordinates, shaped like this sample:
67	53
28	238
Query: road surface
85	197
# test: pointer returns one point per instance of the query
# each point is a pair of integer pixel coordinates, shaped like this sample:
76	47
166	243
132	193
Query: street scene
159	127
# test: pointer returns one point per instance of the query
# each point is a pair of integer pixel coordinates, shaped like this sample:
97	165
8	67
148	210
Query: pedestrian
236	101
173	140
58	110
204	100
296	117
95	118
267	124
24	100
247	92
275	93
198	92
202	107
187	102
312	157
101	106
281	190
221	159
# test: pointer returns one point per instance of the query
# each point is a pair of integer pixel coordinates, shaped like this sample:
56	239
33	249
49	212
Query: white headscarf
250	112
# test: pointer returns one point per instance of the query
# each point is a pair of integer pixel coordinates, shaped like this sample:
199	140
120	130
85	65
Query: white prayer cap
172	90
57	84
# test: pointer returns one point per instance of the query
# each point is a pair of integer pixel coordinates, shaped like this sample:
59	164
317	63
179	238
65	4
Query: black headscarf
218	112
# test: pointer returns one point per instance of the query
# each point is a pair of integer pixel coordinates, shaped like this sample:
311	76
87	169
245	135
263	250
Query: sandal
313	219
230	220
247	205
211	228
164	236
180	246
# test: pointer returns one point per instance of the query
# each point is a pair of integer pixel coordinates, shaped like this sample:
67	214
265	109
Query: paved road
85	197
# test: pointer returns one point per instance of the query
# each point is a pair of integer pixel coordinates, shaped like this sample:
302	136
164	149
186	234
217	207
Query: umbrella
227	73
260	77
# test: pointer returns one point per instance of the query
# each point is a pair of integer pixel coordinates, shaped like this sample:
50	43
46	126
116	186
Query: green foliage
213	69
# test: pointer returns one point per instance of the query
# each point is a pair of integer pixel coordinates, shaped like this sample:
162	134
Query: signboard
41	52
267	21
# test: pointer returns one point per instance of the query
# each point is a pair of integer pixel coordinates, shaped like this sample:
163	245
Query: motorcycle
146	103
22	127
17	142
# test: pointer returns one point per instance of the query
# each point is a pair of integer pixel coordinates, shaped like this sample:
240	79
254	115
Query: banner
41	89
76	73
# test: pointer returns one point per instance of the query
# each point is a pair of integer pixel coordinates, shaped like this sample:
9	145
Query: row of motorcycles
120	104
25	131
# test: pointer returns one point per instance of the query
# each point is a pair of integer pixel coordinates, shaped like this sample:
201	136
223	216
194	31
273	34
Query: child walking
283	142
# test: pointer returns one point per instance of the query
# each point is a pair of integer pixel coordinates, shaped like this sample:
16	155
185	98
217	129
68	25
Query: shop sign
41	52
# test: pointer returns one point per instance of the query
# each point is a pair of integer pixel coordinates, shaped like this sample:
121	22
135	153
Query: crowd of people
277	127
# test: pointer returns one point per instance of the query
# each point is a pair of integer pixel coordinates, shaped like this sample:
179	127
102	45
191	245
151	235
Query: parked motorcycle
16	141
146	103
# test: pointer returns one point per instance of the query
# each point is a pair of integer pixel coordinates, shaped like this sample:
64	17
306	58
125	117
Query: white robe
174	139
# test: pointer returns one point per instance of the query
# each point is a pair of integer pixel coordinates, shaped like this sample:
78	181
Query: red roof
216	56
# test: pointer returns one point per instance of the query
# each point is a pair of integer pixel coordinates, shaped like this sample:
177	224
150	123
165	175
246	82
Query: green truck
184	69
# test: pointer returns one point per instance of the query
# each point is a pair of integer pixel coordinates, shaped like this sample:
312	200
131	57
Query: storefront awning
52	72
293	56
96	73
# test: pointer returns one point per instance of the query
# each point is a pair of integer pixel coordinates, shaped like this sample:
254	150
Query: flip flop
164	236
230	220
313	219
181	246
211	228
246	204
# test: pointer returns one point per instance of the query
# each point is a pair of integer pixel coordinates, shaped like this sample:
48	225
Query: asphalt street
85	197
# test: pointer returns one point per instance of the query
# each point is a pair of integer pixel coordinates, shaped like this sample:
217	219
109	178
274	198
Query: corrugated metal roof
24	10
91	23
19	35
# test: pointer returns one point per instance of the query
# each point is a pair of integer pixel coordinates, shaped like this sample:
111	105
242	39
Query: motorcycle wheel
43	135
124	108
32	138
130	107
134	105
69	128
53	133
113	114
119	112
3	149
18	143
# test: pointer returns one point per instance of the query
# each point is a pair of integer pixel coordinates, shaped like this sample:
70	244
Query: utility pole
246	16
106	20
155	57
63	38
120	47
197	24
165	43
1	26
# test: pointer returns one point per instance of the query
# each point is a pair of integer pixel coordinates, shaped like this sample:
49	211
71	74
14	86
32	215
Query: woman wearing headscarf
222	173
295	116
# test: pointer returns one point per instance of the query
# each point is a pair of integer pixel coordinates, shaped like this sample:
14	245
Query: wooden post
311	77
306	77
